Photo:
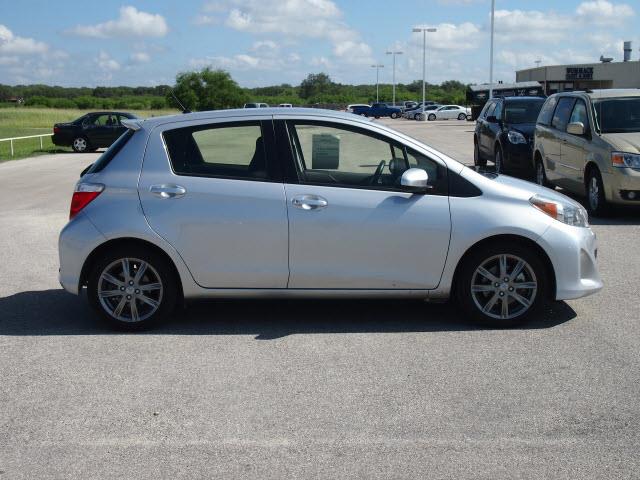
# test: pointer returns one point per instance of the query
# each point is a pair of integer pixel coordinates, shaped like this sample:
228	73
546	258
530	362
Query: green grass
23	121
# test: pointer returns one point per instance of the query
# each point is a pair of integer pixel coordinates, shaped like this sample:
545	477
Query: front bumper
619	182
572	251
519	156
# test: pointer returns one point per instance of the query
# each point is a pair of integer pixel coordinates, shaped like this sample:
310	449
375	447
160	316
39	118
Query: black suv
504	134
91	131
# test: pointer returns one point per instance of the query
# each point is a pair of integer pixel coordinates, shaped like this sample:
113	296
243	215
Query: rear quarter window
546	113
111	152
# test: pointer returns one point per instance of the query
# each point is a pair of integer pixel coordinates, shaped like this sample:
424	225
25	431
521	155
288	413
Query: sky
268	42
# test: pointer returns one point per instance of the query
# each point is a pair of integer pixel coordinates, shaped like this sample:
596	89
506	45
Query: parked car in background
351	106
589	143
408	104
504	134
91	131
449	112
256	105
416	112
377	110
315	203
286	105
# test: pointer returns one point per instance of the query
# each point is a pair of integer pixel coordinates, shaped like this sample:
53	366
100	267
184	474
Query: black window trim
274	172
294	174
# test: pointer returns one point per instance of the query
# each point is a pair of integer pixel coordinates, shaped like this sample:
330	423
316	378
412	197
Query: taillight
56	129
83	195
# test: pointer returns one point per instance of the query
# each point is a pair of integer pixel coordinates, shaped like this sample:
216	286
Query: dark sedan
91	131
504	134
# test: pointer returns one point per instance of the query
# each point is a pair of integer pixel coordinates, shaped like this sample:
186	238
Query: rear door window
221	150
562	113
546	113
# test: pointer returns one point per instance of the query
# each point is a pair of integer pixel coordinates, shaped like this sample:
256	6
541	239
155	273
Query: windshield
522	112
617	115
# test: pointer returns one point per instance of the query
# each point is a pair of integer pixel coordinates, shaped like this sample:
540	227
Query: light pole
377	66
424	62
493	11
394	53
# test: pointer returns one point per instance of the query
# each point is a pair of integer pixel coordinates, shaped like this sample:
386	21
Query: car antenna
184	110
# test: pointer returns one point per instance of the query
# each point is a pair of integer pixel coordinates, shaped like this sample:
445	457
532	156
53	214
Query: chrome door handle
309	202
168	191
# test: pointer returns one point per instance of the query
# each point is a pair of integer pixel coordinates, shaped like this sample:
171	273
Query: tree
207	90
315	84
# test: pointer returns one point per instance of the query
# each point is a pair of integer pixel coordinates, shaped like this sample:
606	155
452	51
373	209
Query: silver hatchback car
312	203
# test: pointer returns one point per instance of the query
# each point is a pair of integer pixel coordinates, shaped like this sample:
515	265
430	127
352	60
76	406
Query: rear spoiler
134	124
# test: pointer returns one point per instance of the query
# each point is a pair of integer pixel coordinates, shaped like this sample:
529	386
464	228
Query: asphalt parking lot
266	389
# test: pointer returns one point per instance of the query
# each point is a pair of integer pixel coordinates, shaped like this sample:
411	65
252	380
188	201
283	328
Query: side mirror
415	180
492	119
576	128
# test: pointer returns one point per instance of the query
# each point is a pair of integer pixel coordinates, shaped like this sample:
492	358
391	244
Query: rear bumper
572	251
61	140
77	240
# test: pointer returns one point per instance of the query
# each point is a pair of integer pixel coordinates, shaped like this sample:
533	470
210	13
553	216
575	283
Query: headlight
565	212
623	159
516	137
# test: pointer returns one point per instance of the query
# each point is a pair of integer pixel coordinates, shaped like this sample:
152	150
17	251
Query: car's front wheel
80	145
132	288
596	200
462	116
502	285
394	115
498	161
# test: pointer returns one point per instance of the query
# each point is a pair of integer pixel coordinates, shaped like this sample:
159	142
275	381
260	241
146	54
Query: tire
525	293
394	115
462	116
596	201
81	145
541	175
154	301
477	160
498	160
431	117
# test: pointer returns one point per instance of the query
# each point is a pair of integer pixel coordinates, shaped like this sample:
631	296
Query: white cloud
319	19
106	63
450	37
140	57
204	19
602	12
532	25
130	23
11	44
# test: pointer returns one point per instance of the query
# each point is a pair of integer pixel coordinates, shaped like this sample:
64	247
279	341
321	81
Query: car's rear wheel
132	288
596	200
431	117
80	145
477	161
502	285
462	116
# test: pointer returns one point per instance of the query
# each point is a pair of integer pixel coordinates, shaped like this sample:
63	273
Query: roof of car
152	122
520	98
606	93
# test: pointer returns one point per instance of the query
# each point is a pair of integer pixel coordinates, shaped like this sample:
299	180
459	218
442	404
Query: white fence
10	140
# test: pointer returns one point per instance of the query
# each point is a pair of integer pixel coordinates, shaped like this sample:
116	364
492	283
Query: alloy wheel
130	290
504	287
594	193
498	161
540	174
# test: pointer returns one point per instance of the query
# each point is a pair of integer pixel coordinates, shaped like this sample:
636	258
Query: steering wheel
378	173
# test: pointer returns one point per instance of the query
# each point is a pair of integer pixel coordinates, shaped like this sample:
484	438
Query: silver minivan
589	143
283	203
